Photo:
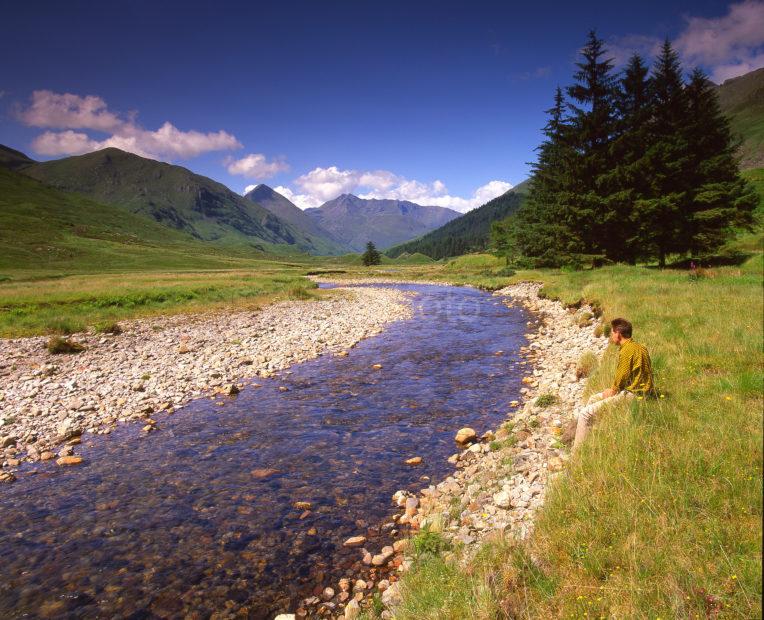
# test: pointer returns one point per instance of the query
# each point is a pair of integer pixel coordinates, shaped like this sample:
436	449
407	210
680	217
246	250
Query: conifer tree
659	216
624	182
592	125
540	229
641	167
371	256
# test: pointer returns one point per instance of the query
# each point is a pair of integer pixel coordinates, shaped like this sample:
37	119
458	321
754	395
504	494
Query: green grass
546	400
752	241
750	124
665	500
69	304
437	588
473	261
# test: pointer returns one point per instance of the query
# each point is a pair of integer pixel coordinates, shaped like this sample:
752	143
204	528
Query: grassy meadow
69	304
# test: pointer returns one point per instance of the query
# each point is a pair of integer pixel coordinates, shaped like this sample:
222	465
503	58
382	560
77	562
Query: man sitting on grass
633	377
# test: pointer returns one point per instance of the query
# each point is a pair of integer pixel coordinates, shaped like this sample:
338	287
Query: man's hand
608	393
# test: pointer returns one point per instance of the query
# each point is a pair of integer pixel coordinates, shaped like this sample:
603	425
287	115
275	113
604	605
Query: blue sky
439	102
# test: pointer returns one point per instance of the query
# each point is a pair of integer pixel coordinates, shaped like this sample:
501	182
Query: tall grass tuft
586	364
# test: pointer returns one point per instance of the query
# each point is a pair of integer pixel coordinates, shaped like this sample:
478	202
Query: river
202	516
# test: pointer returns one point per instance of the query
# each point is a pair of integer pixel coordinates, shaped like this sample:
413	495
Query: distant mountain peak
261	189
286	210
385	221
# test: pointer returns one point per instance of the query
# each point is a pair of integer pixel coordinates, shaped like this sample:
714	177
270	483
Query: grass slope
13	159
43	229
68	262
742	100
468	233
752	241
174	197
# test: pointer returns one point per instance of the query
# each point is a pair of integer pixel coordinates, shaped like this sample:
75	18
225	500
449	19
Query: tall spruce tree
539	229
720	199
659	215
592	126
641	167
624	182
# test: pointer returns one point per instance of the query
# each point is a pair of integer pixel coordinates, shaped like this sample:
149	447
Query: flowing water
200	517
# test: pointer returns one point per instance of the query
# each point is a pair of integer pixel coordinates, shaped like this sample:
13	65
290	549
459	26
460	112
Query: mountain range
354	221
104	195
288	212
172	198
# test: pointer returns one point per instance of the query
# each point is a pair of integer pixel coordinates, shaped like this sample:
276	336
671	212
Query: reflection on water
200	516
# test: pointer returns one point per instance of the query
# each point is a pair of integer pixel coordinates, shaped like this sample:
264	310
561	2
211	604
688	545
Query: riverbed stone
391	596
465	435
355	541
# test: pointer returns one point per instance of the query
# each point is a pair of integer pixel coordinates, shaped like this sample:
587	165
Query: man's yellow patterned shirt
634	372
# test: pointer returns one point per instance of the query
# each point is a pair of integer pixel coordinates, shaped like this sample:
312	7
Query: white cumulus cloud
255	166
68	142
322	184
726	46
328	183
304	201
66	112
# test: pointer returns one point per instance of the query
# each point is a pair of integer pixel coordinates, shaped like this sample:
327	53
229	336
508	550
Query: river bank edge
501	476
154	367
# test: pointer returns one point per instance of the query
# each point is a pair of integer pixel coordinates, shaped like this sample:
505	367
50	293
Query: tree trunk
661	258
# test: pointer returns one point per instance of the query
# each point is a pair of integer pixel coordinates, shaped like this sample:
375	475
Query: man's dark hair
622	326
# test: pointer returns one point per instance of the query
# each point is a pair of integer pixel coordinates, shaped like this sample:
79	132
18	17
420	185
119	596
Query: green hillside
43	228
175	197
742	100
13	159
468	233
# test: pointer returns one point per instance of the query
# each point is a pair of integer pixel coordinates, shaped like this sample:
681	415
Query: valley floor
659	515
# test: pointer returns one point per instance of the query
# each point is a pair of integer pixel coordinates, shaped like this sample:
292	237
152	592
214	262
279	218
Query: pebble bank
160	364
